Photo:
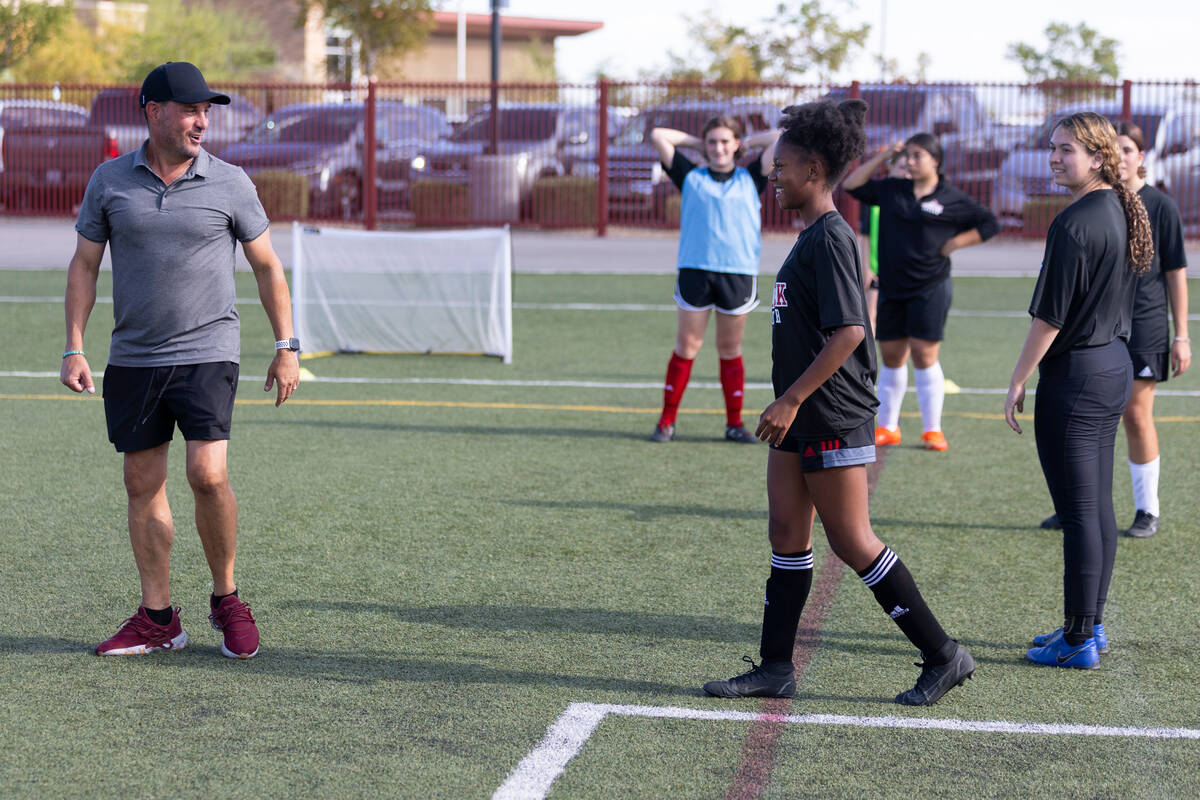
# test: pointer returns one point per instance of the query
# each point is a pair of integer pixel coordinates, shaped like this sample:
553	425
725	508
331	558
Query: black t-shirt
681	165
1151	333
1085	288
818	289
912	232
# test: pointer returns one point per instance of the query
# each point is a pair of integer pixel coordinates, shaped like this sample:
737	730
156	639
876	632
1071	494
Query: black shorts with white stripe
843	450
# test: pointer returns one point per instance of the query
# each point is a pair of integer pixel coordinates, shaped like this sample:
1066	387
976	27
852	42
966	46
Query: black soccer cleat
1144	525
935	681
663	433
773	679
739	434
1051	523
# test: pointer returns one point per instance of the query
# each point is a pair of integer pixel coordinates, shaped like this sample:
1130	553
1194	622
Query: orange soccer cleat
934	440
886	436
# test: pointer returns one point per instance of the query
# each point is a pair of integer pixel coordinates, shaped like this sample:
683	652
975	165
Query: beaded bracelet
73	353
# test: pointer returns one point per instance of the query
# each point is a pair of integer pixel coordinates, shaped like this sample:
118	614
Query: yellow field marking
267	401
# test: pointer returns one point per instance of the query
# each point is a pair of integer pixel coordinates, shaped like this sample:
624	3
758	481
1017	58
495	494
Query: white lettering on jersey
933	207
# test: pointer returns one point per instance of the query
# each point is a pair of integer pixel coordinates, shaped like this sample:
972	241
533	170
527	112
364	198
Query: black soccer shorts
142	405
728	293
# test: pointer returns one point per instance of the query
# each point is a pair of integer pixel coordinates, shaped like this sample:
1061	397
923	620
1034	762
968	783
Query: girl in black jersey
820	426
1153	352
1081	319
922	220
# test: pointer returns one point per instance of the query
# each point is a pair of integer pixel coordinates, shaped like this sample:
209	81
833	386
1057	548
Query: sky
966	39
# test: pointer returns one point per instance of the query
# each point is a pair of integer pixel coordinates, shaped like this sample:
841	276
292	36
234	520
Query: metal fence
565	155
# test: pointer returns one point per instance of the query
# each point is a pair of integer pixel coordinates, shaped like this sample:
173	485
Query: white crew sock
892	385
931	392
1145	485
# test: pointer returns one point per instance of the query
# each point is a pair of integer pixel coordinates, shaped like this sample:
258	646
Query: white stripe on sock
804	561
882	567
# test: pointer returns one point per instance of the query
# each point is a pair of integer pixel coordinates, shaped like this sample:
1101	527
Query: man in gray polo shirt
173	215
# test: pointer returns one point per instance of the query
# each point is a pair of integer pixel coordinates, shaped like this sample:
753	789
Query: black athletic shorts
843	450
700	290
1151	366
919	317
142	405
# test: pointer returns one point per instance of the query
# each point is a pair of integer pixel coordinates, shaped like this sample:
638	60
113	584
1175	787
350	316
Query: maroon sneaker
232	617
139	635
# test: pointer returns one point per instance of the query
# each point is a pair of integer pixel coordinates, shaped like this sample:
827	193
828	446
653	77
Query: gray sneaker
739	434
663	433
1144	525
769	679
935	681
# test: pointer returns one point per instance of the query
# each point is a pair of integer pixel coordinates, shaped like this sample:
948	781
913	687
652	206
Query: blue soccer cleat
1060	654
1097	634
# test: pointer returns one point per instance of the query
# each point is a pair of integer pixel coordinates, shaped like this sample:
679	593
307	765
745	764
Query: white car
1024	175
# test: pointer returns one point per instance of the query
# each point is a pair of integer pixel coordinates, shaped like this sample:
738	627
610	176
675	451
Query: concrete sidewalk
47	243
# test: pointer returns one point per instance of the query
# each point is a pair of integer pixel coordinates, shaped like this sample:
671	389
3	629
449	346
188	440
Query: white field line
253	301
533	777
654	385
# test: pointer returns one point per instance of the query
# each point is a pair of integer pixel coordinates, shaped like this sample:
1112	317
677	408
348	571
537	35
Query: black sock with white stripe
787	591
896	592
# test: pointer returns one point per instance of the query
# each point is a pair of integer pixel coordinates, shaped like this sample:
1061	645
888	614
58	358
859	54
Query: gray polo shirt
173	256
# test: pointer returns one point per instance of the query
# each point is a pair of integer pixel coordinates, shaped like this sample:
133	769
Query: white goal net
401	292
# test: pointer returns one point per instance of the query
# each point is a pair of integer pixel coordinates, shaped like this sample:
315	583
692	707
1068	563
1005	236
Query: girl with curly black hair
821	424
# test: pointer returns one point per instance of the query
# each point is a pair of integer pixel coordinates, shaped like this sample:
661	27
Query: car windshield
307	125
1148	122
18	117
898	108
513	125
117	108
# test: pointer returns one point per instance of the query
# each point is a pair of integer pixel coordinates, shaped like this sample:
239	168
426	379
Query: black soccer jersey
1151	333
818	289
912	232
1085	288
681	165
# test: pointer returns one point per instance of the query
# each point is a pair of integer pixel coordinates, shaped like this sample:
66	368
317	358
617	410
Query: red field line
758	752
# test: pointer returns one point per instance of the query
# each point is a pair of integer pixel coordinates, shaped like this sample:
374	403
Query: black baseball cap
181	82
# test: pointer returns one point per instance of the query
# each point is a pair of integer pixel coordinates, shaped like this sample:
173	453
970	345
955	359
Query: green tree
24	26
1072	55
380	27
795	43
198	32
74	54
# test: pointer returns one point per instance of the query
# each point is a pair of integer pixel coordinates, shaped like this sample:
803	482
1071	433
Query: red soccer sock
678	372
733	385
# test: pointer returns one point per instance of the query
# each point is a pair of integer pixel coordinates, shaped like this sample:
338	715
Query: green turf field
440	570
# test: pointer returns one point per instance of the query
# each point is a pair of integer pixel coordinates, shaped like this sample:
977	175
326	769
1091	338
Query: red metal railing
565	155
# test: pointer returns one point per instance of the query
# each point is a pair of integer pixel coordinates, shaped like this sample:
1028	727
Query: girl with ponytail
1081	311
821	425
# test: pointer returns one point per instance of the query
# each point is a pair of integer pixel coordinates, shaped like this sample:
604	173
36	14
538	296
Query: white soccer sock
931	393
892	385
1145	485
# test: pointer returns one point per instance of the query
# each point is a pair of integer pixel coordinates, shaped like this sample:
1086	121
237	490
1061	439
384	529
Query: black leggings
1080	398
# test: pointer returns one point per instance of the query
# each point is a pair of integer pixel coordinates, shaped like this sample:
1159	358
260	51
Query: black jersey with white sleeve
818	290
1085	288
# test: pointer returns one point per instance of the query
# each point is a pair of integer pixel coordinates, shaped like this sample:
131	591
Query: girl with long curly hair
1081	308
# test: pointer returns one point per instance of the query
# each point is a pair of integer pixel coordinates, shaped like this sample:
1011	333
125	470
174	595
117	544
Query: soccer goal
401	292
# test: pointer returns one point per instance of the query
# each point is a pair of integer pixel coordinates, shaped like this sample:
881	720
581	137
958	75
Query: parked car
543	139
48	167
25	113
120	111
974	145
1024	176
637	183
324	142
1178	171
